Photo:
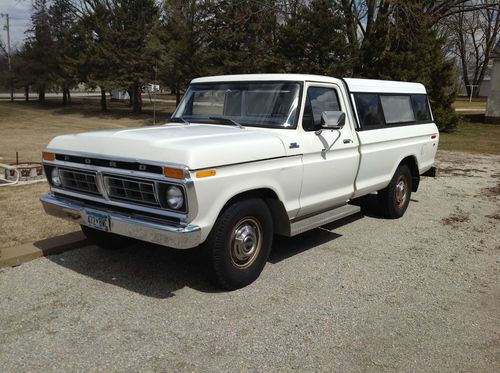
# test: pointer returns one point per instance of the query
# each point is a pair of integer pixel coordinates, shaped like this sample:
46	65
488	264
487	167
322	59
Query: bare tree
472	36
3	49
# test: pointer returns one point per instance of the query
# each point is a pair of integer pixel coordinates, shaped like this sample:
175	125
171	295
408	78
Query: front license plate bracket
97	220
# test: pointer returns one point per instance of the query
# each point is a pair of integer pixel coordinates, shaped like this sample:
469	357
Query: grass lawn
463	104
473	138
472	134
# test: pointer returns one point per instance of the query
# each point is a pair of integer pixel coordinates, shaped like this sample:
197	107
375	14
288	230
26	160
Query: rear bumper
166	234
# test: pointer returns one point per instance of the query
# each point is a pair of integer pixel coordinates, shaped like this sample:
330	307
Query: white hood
194	145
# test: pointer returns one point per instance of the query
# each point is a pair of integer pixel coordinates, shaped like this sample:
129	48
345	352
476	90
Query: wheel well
411	162
276	208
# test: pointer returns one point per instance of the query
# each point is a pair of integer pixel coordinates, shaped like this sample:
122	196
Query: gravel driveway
420	293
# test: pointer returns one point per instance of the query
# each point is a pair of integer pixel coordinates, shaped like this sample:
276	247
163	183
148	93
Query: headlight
54	177
175	198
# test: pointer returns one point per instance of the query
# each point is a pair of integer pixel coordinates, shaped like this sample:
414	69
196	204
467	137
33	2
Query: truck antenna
154	93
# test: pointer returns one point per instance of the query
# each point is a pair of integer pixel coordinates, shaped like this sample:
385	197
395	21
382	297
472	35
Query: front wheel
395	198
239	244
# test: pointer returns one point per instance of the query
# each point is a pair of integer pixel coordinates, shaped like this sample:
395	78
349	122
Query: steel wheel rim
401	191
245	243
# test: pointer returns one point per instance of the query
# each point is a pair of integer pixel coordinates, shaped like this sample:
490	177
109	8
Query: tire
395	198
239	244
105	240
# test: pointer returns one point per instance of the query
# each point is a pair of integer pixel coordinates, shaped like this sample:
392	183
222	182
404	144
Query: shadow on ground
157	272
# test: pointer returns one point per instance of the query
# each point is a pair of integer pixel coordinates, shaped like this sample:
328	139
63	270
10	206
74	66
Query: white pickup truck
243	158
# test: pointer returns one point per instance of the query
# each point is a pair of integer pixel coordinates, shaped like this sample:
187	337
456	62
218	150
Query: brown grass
463	103
27	128
22	218
472	135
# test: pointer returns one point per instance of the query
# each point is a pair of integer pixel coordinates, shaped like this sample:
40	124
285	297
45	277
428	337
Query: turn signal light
205	173
173	173
48	156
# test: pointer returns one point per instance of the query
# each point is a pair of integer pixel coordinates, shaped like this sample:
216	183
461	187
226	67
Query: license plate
97	220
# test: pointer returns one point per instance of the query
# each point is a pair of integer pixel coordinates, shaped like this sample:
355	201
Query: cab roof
354	84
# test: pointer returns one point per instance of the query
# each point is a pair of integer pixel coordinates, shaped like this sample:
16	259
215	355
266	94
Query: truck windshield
258	104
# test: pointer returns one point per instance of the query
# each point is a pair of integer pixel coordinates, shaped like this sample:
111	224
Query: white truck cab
245	157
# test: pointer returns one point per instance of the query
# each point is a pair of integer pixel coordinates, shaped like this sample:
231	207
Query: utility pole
7	27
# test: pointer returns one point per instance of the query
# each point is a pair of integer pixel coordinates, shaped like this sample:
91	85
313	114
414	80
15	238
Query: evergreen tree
184	55
134	32
241	36
121	38
39	50
314	41
67	46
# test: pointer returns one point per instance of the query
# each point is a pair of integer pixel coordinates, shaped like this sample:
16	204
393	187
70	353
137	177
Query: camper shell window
382	110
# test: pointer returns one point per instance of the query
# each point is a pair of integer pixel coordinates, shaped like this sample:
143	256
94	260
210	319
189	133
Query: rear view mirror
333	120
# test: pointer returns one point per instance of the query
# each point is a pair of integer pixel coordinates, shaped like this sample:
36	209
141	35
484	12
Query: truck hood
195	145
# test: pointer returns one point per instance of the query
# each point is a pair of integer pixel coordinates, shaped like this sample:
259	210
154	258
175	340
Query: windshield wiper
228	121
179	120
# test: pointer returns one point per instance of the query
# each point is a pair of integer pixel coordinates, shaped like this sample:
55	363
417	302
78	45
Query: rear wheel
395	198
106	240
239	244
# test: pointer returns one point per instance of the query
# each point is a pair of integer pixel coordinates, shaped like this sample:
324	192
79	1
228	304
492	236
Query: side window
421	108
369	110
397	109
318	100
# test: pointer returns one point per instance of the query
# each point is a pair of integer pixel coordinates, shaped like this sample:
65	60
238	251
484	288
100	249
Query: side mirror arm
324	151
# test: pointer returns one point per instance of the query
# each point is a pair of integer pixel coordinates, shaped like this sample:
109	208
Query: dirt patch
492	191
495	216
467	172
459	216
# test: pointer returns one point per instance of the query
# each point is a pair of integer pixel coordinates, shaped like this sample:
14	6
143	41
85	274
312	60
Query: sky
19	13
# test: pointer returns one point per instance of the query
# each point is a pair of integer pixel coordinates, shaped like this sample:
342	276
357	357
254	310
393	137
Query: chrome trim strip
247	162
113	158
317	220
167	234
110	170
100	185
130	206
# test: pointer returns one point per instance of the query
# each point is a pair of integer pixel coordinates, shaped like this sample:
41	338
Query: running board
323	218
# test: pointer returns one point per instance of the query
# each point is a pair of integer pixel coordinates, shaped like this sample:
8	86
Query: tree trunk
137	102
66	96
103	100
41	95
130	92
26	92
177	96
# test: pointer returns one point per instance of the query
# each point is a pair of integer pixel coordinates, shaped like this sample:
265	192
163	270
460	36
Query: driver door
328	178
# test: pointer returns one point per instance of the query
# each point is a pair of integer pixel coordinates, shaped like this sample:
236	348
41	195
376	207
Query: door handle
348	141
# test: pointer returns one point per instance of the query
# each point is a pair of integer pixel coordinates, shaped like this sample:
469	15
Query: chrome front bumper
168	234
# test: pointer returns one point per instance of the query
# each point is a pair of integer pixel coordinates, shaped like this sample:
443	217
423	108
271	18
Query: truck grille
79	181
131	190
